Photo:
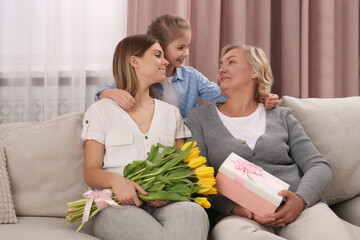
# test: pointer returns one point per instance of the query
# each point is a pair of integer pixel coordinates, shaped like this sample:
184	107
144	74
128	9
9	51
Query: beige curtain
313	45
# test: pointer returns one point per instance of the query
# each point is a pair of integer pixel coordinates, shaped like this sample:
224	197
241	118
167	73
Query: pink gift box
249	185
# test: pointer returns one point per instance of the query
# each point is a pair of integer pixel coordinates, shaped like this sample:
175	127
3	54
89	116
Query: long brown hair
124	74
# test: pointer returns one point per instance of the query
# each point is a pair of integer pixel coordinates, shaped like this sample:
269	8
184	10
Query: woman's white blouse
169	92
109	124
248	128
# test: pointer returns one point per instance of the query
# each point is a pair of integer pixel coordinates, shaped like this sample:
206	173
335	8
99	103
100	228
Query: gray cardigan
284	150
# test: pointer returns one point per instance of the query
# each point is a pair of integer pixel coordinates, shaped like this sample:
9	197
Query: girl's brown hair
168	28
124	73
256	58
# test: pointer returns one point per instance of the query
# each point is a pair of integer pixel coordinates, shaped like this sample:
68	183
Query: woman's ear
133	61
254	75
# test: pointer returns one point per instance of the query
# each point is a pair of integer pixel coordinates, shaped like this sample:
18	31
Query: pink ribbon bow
102	200
245	168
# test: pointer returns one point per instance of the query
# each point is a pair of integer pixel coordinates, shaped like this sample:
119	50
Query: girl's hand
121	97
291	210
125	191
271	101
157	203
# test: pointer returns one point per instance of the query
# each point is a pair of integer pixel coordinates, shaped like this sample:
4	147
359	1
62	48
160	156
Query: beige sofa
45	168
43	165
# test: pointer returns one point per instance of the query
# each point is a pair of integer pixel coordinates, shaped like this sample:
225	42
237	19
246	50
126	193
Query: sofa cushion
45	164
349	210
353	229
333	126
7	211
42	228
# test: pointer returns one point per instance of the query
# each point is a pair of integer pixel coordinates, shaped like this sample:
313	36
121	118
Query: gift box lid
253	178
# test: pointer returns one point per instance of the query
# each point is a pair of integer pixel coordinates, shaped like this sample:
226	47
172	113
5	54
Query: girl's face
235	72
176	51
152	65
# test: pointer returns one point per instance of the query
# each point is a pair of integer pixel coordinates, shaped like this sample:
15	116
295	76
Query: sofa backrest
45	164
333	126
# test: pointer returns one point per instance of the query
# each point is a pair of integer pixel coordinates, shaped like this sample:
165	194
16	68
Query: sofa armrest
332	124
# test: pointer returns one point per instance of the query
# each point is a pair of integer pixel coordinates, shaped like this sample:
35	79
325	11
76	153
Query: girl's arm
208	90
121	97
101	89
96	177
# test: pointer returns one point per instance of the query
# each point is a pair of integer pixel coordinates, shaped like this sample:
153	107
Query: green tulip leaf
162	195
133	167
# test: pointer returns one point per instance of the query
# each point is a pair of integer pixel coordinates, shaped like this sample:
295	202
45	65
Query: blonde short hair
124	74
257	60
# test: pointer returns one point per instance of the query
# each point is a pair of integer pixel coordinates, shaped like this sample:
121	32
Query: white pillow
45	164
333	126
7	211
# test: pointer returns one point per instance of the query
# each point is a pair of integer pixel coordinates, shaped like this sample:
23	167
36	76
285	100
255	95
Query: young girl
183	84
115	137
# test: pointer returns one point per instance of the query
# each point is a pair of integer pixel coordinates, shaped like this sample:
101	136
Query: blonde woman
114	138
272	139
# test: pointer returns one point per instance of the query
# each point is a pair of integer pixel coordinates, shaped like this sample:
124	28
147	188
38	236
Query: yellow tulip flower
203	171
194	153
207	181
204	188
210	191
196	162
202	201
188	144
157	175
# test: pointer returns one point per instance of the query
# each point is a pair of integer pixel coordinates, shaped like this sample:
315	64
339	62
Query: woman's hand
271	101
125	191
243	212
291	210
157	203
121	97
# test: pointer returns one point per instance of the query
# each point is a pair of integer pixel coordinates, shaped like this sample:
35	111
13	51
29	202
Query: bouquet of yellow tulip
173	174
